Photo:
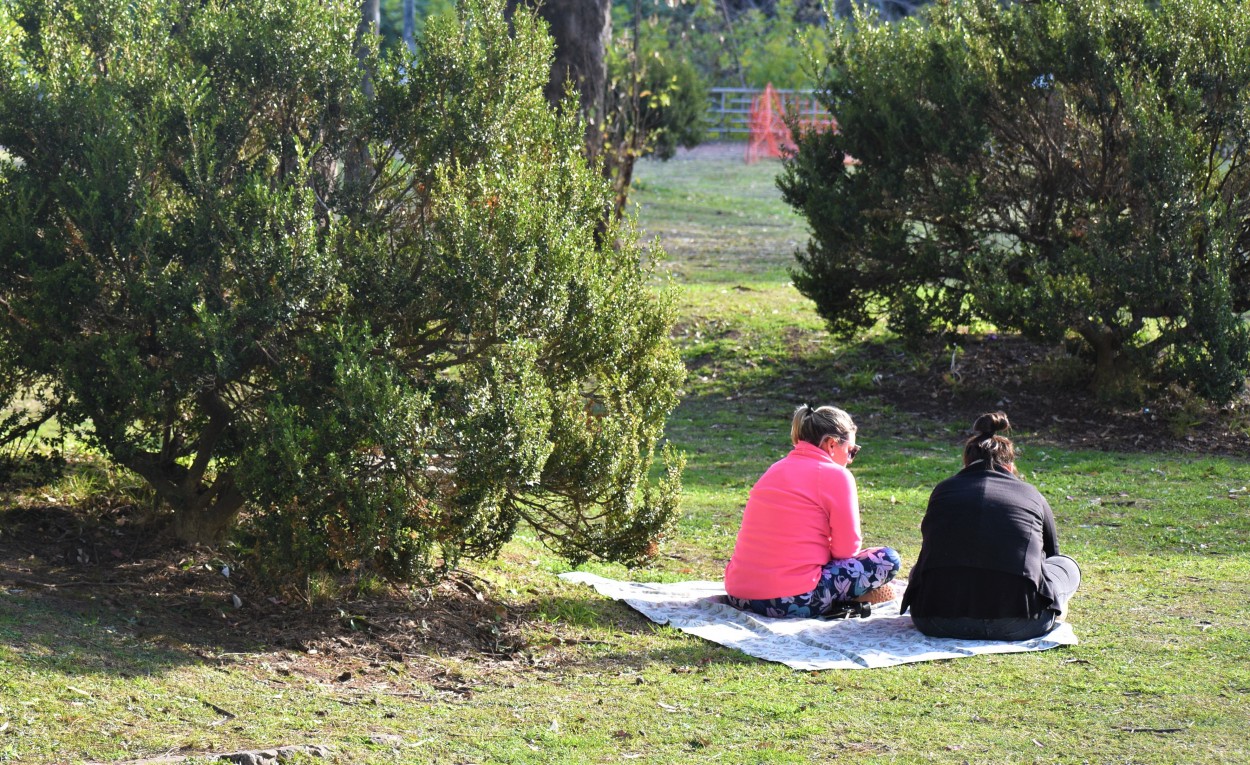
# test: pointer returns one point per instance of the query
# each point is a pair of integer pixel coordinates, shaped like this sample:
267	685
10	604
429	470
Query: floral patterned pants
841	581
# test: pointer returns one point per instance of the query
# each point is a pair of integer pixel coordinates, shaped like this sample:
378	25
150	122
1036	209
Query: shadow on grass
84	594
74	637
97	593
616	635
681	654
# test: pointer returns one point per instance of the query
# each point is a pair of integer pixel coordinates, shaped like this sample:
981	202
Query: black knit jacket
985	536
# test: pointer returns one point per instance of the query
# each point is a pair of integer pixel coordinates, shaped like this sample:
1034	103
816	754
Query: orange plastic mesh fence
770	134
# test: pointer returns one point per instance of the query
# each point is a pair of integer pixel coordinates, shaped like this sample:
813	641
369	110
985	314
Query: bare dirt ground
106	566
1003	373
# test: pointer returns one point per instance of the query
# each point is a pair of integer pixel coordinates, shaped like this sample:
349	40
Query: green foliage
777	48
112	673
654	103
749	46
665	98
1053	168
656	98
386	317
392	13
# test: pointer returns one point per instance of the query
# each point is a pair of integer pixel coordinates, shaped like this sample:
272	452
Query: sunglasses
851	451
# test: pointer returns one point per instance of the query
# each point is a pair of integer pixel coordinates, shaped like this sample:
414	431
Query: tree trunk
203	511
208	522
370	24
410	25
358	161
622	182
733	46
582	30
1111	370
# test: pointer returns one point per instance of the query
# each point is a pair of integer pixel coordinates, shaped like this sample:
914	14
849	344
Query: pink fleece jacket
801	514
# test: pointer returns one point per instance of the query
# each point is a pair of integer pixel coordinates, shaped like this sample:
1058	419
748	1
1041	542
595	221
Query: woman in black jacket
989	565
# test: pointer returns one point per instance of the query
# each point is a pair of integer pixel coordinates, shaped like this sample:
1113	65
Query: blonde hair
815	425
986	445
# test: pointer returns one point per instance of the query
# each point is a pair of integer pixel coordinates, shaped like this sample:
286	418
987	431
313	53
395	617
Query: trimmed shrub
382	314
1055	168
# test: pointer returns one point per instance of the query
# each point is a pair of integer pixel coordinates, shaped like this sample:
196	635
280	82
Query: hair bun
990	423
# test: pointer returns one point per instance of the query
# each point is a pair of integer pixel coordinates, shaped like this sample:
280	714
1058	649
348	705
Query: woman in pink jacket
798	551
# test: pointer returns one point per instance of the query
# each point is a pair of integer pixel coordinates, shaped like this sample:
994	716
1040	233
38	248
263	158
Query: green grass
1160	675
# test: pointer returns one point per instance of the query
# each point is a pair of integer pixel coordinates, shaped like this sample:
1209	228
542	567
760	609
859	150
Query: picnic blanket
883	639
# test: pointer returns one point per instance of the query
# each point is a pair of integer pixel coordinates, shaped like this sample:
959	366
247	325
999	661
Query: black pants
1063	576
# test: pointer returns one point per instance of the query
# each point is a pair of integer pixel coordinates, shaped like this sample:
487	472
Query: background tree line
1034	166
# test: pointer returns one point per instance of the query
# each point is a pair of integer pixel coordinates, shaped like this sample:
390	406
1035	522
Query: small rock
265	757
274	756
287	753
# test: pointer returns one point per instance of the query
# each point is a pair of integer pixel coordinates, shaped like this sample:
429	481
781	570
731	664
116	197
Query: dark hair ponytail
815	425
986	445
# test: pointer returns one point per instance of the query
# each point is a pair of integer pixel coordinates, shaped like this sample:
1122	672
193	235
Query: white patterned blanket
884	639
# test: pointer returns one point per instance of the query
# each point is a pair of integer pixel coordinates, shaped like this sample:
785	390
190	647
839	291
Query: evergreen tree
1059	168
390	367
